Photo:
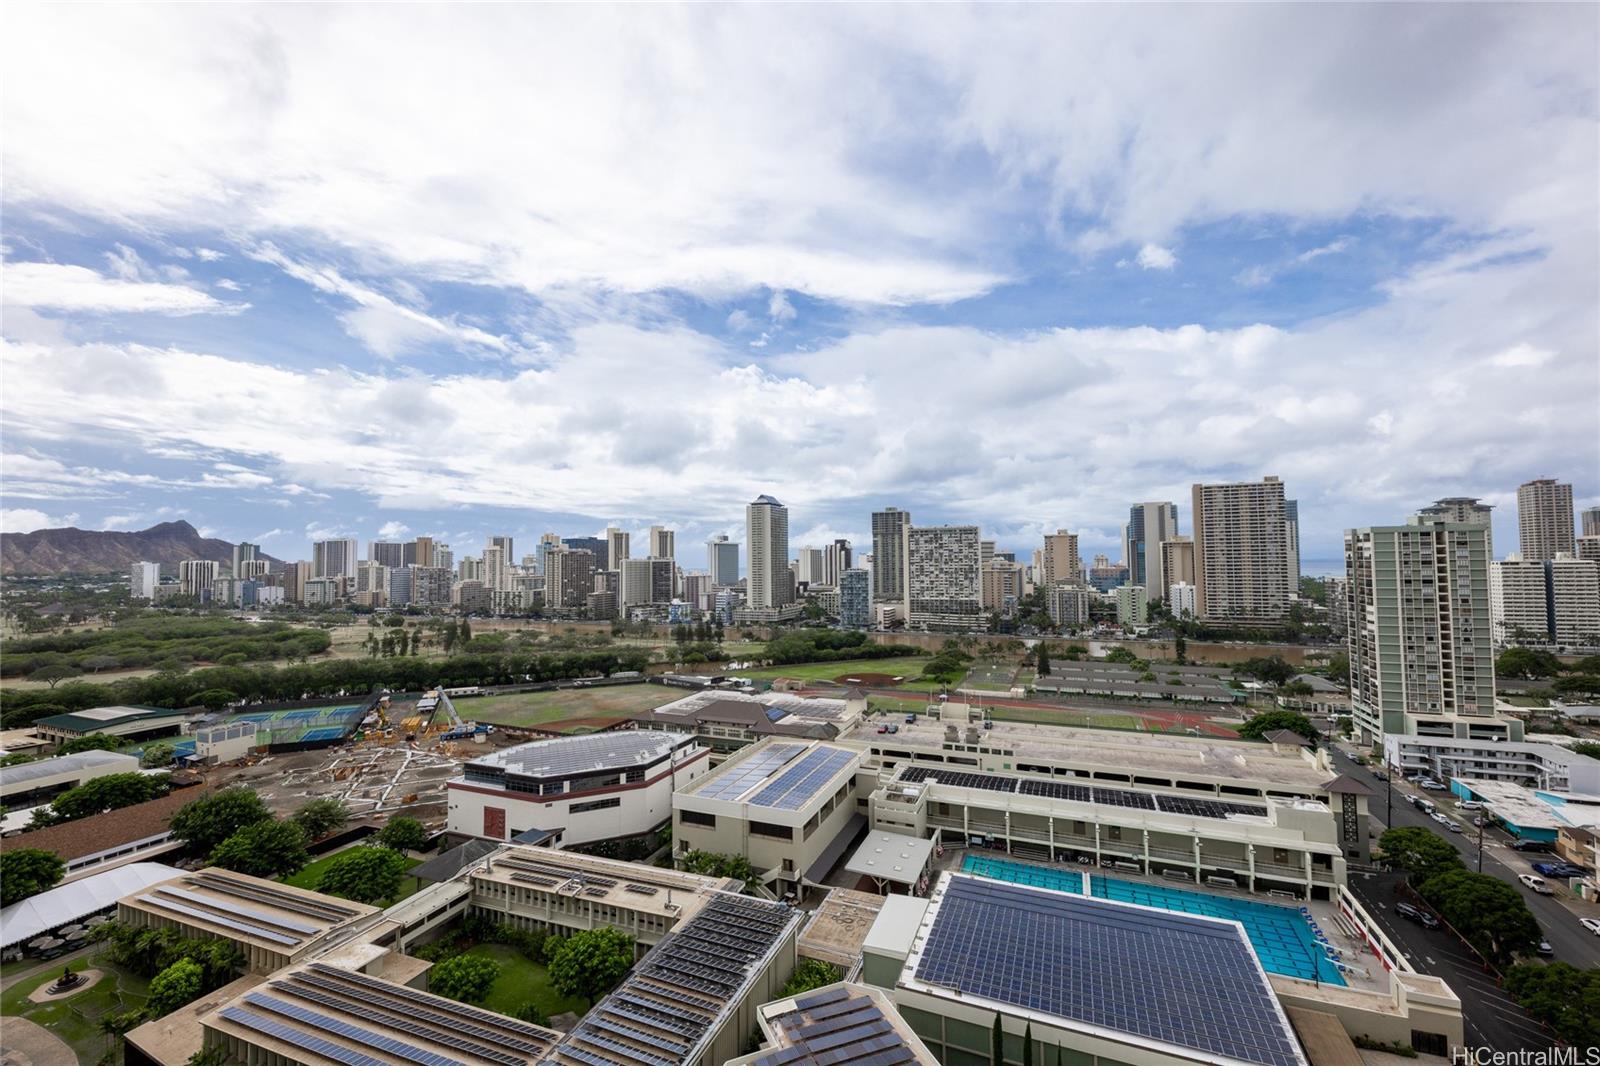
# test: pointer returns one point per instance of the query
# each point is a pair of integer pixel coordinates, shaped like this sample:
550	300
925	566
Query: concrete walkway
29	1044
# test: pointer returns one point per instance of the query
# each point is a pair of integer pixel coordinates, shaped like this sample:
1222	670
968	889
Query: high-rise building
196	576
422	552
390	553
334	558
663	543
767	533
1420	634
697	590
599	547
722	559
1291	543
1002	585
1546	601
1177	563
547	543
430	586
836	559
642	581
1061	560
293	579
1591	521
809	565
1589	547
247	562
496	569
1463	510
1544	518
401	580
568	576
1149	525
1068	605
890	527
1180	599
1240	549
946	578
1133	609
443	557
143	578
855	598
616	547
1105	575
470	569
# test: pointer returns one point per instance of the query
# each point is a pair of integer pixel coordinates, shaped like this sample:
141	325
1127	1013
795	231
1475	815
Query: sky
290	272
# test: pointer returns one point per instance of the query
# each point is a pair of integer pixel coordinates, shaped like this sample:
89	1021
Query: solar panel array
678	994
741	777
1194	806
837	1028
796	785
1176	979
320	907
243	928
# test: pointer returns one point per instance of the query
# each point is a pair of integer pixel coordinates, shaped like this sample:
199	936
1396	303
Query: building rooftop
1122	751
36	915
782	775
837	1025
1523	807
172	1039
1176	984
14	776
278	917
715	704
593	753
676	999
99	718
1140	799
839	926
891	857
317	1012
634	886
104	832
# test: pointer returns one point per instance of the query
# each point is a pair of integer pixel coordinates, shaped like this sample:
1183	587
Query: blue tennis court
1281	936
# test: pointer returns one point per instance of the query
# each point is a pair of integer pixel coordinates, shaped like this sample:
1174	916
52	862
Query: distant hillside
87	551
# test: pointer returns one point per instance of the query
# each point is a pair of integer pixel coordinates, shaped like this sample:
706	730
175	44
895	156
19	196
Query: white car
1440	817
1537	883
1591	924
1452	826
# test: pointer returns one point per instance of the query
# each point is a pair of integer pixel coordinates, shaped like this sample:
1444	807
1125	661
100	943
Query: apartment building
855	598
617	547
335	558
722	559
1060	559
1002	585
1150	525
1540	766
1177	563
1544	518
196	576
1241	553
143	580
1463	510
769	585
890	578
1546	601
1068	605
1133	609
568	576
945	587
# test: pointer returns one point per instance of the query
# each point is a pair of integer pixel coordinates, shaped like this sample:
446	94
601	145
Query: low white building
1543	766
576	789
1180	599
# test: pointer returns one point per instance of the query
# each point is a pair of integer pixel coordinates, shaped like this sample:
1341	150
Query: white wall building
1180	599
769	584
1541	766
143	579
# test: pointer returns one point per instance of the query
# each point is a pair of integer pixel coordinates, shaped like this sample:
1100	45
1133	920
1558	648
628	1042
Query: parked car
1562	870
1591	924
1380	775
1470	805
1529	845
1452	826
1434	786
1537	883
1439	817
1545	949
1416	914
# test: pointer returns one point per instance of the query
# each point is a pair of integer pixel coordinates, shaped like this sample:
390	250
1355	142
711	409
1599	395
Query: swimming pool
1281	936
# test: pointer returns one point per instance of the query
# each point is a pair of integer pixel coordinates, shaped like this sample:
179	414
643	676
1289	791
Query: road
1572	942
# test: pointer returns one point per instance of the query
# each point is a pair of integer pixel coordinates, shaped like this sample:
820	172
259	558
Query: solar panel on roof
397	1003
236	911
1180	980
288	901
791	789
412	1026
216	919
364	1037
739	778
306	1041
413	996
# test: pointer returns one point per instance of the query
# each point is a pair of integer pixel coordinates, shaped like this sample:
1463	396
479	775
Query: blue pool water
1280	935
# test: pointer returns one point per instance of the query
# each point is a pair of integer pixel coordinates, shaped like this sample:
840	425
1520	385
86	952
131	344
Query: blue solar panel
1185	981
792	788
216	919
234	910
739	778
290	1035
365	1037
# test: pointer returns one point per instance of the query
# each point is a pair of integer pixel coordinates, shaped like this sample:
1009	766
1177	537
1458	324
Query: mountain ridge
67	550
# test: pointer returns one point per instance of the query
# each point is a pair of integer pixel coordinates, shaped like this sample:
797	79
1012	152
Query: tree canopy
809	974
92	742
403	834
714	865
465	978
208	821
1421	853
271	848
100	794
27	872
1488	913
322	816
1526	663
589	963
365	873
1562	996
1271	669
1272	721
178	984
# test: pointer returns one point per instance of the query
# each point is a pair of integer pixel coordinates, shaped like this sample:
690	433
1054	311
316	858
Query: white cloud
393	530
27	520
210	255
779	309
229	284
1155	257
739	321
1522	355
59	287
1333	247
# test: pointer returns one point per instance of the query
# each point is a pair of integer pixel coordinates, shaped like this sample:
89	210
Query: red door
494	822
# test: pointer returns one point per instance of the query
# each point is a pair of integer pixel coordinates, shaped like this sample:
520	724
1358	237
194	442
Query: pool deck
1355	951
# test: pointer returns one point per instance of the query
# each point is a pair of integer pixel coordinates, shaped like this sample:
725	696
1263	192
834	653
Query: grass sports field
910	667
526	709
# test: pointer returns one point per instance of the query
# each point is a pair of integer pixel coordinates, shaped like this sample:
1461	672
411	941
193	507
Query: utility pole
1480	819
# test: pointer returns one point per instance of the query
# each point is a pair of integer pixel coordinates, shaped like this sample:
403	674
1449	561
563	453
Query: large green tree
366	874
92	742
1562	996
321	817
208	821
591	962
466	978
264	849
403	834
1526	664
1421	853
1272	721
1488	913
715	865
27	872
100	794
809	974
177	985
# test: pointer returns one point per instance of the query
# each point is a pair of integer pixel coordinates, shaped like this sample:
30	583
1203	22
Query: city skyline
1025	292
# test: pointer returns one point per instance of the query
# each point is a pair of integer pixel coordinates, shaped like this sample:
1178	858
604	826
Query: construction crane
458	729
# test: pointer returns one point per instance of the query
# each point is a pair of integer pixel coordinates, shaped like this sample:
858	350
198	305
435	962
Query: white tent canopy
72	902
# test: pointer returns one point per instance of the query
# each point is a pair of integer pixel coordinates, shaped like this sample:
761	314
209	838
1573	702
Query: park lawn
522	979
1526	701
308	877
526	709
76	1019
909	666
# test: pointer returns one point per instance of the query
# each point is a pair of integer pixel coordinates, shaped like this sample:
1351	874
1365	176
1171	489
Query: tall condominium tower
1420	633
496	569
247	561
390	553
945	588
663	543
334	558
646	581
1291	543
1544	518
423	552
195	576
143	578
767	533
1462	510
889	529
1591	521
1240	552
808	565
1177	566
722	559
1546	601
1149	526
1060	559
836	559
568	576
855	598
616	547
